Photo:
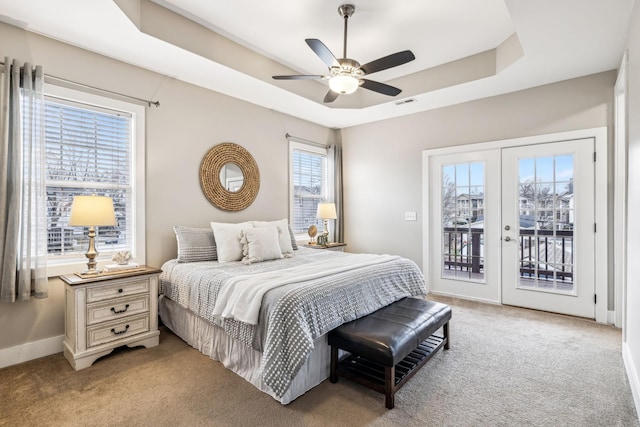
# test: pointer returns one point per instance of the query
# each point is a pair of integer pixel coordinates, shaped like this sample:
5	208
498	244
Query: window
308	184
94	145
462	225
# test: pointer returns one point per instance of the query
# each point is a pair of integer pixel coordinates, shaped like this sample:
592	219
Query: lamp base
326	231
91	254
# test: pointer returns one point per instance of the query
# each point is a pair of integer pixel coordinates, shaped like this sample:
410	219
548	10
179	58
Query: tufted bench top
391	333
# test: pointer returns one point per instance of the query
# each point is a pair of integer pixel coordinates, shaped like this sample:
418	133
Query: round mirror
229	177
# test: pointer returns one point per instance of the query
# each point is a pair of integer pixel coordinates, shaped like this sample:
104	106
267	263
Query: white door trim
600	142
620	197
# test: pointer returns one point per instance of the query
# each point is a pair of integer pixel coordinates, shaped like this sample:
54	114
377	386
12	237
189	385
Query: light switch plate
410	216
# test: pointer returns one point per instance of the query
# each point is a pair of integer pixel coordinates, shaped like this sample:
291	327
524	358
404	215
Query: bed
267	320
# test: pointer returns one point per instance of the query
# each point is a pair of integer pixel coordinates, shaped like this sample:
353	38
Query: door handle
507	239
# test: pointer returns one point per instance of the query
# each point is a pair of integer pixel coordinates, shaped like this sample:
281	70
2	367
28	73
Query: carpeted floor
506	367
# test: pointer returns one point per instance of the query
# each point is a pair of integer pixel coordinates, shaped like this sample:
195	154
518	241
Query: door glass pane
544	170
546	239
462	201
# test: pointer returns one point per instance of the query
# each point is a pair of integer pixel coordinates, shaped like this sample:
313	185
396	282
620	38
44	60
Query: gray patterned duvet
295	313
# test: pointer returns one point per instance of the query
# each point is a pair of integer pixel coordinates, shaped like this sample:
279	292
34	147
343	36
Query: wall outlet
410	216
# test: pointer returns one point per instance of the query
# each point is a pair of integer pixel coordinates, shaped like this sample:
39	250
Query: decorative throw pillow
195	244
294	244
261	244
284	238
227	237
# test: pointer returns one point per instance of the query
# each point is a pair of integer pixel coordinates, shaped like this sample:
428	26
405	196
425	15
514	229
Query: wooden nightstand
108	311
331	246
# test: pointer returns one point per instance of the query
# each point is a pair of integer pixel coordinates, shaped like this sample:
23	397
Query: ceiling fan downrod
346	10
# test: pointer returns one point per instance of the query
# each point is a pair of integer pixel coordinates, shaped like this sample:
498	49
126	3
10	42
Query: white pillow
260	244
227	238
285	237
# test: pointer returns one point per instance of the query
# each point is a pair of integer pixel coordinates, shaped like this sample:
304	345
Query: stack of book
110	268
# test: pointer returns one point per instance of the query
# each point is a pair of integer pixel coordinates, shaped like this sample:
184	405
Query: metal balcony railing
543	254
463	249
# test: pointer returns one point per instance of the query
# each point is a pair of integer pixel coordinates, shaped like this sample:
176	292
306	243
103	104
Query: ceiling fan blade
382	88
330	97
323	52
388	61
300	77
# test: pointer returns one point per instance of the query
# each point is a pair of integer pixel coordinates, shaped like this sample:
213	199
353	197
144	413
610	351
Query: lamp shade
92	211
344	85
326	211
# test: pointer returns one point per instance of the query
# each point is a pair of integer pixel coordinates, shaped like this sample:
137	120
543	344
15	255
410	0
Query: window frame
313	148
56	265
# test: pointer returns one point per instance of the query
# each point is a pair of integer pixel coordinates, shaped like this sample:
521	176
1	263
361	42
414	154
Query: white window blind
309	185
88	151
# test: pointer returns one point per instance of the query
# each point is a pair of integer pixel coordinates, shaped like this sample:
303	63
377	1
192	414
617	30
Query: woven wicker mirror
224	188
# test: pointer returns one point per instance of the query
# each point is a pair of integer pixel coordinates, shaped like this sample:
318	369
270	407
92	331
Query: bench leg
333	373
445	333
389	386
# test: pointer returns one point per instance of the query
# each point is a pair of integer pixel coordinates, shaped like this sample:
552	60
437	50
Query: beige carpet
506	367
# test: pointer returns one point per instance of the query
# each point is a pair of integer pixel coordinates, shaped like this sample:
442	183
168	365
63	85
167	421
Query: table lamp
326	211
92	211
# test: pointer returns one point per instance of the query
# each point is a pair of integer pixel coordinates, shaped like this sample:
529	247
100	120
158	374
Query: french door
548	221
465	220
515	226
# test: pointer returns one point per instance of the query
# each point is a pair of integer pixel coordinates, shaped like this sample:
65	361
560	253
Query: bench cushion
391	333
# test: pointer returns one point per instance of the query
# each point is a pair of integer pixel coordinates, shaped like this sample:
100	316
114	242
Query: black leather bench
387	347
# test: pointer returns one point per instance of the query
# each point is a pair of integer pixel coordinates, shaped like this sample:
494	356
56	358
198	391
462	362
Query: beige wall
383	161
632	331
188	123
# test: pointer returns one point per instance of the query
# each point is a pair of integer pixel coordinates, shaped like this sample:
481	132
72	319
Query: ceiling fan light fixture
347	75
344	85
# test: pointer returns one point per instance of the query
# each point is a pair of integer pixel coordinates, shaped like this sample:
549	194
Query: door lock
506	227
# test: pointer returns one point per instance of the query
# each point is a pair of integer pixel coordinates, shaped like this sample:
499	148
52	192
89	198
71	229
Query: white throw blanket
240	298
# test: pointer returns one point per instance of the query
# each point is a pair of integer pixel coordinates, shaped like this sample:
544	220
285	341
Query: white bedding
241	296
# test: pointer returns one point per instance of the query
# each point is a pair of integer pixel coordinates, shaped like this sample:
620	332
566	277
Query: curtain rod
287	135
60	79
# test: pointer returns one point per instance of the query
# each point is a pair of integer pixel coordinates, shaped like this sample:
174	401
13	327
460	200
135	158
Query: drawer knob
114	332
126	307
120	290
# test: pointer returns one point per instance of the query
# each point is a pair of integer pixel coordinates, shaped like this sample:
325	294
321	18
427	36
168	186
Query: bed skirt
238	357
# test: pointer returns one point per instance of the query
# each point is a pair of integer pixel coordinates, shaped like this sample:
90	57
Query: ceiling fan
347	75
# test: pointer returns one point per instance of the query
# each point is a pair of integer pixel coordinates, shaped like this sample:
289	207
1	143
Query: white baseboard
632	375
464	297
29	351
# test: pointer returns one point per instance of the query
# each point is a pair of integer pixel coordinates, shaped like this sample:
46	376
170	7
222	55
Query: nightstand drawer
117	308
112	331
131	287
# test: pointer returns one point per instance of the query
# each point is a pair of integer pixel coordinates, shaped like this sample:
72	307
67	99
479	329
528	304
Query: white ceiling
560	39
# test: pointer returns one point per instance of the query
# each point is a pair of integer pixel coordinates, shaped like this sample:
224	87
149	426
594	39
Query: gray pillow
195	244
